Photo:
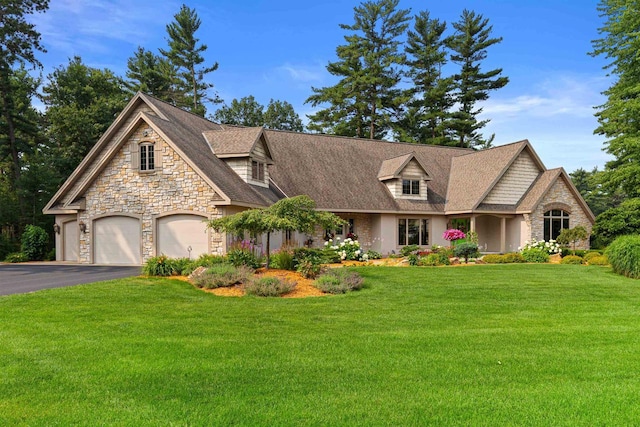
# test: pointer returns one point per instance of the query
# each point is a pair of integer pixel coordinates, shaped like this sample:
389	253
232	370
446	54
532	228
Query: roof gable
237	141
392	168
483	169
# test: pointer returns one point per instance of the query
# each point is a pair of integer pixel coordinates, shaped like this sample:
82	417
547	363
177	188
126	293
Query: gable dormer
518	178
405	177
245	150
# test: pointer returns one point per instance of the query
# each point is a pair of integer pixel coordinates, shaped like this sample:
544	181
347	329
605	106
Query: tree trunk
195	89
266	267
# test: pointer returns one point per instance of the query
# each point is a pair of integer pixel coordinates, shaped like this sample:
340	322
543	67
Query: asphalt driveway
23	278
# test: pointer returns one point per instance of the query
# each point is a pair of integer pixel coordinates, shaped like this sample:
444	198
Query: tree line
391	83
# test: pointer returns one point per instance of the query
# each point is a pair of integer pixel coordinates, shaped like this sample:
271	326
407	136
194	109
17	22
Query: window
411	187
257	171
555	221
412	231
147	157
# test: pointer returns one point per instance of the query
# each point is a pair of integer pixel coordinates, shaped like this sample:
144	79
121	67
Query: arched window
555	221
147	157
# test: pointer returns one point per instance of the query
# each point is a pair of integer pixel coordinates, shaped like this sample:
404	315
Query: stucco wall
121	189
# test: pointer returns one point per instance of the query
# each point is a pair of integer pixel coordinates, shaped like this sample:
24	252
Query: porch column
503	234
472	223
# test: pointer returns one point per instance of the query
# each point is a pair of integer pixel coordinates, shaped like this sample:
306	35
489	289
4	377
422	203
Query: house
158	172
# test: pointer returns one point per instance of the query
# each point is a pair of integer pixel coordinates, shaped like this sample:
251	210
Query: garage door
70	241
176	233
117	240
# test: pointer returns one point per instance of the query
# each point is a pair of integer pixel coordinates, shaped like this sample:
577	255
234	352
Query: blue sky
279	49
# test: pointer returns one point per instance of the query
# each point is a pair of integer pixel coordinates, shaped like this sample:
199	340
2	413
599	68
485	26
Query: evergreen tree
151	74
469	48
365	100
618	116
19	41
426	119
82	102
185	53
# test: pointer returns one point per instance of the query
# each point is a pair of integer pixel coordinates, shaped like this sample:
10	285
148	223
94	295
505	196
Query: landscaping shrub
624	255
204	260
435	259
572	259
223	275
309	267
466	250
339	281
494	259
513	257
158	266
413	259
238	257
578	252
535	255
591	254
551	247
348	249
371	254
16	257
330	256
181	266
406	250
51	255
269	286
282	259
34	243
447	251
598	260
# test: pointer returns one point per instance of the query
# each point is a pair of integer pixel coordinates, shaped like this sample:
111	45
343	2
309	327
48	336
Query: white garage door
116	240
70	241
176	233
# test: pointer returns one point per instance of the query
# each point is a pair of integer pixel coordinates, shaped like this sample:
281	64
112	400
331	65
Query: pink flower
453	234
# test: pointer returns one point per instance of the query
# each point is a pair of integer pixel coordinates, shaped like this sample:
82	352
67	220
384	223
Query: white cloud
303	73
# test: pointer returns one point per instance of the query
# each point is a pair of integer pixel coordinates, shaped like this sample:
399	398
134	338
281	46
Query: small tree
295	213
573	235
34	242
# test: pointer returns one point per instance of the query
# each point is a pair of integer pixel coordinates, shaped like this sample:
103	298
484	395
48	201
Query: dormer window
147	157
257	171
411	187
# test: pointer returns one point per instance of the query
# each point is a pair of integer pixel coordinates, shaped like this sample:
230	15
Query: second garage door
178	233
117	240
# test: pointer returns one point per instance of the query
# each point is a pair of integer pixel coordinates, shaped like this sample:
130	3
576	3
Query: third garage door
178	233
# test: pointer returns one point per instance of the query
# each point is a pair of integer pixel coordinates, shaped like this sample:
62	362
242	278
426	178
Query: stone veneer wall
560	194
120	189
362	224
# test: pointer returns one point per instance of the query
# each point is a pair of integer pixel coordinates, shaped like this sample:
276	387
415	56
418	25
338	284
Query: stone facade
560	197
173	187
362	227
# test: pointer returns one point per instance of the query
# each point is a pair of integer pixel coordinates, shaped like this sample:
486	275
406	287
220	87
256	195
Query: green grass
478	345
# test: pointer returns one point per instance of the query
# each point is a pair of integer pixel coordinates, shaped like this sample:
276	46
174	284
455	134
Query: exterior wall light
56	228
83	227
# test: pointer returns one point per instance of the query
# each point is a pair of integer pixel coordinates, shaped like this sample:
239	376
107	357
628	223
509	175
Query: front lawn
478	345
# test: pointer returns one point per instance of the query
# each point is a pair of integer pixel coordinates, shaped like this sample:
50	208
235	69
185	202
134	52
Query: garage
116	240
70	242
177	233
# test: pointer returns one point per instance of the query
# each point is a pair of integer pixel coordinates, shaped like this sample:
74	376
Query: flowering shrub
348	249
551	247
453	234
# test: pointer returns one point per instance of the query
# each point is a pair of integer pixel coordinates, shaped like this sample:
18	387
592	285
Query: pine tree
618	116
151	74
185	53
365	100
469	48
427	115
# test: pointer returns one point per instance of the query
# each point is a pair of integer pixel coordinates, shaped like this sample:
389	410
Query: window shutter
157	148
135	156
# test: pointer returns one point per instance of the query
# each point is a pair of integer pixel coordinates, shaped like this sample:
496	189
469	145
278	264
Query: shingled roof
341	173
233	141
